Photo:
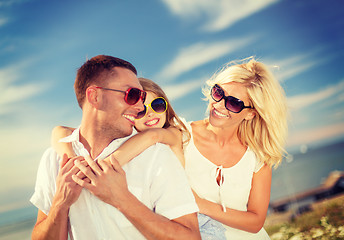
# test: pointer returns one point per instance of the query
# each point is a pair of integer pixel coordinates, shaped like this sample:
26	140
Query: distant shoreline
17	231
280	218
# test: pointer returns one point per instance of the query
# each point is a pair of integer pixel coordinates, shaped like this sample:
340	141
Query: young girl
156	123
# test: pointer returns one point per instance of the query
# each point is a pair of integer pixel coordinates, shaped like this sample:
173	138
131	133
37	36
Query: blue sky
178	44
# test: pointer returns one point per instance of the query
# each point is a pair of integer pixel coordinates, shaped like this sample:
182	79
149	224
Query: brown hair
171	117
96	70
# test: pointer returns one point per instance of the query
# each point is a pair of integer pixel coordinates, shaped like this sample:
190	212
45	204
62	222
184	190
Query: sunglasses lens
142	113
233	104
133	96
159	105
217	93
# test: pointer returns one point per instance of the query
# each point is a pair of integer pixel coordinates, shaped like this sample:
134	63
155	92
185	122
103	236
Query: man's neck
93	140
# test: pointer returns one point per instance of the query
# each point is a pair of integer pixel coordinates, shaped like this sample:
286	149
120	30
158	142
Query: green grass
326	221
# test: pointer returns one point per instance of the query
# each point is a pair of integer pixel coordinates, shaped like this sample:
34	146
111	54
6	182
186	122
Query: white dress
234	190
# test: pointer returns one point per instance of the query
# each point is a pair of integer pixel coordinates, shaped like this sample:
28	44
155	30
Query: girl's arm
251	220
130	148
61	147
137	144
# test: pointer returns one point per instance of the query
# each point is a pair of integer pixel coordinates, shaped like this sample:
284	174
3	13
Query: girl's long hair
266	133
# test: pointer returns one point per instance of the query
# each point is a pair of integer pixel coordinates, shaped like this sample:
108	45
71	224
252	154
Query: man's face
116	116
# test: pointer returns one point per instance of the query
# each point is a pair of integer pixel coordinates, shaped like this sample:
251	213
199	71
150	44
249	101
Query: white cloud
17	93
14	93
13	72
327	97
292	66
180	90
7	3
9	75
22	148
24	139
189	8
3	21
304	100
198	54
308	136
220	14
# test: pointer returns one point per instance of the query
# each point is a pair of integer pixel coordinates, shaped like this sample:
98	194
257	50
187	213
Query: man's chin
127	131
116	133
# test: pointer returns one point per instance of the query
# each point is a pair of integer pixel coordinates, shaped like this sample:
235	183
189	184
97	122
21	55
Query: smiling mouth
216	112
130	118
152	122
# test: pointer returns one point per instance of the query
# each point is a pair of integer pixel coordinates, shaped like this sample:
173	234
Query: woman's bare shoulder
199	128
197	124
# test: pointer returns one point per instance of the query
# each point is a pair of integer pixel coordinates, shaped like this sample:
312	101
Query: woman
230	155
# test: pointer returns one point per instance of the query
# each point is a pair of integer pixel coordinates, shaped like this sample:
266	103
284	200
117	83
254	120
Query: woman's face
219	116
151	119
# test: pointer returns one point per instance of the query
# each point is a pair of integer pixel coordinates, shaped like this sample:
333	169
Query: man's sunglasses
132	95
158	105
232	104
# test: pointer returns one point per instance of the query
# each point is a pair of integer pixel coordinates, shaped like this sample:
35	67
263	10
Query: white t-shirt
233	192
155	177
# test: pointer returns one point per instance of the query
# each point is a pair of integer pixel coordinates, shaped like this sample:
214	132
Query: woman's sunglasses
158	105
132	95
232	104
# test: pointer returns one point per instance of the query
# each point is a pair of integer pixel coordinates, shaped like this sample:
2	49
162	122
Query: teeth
150	123
219	113
129	117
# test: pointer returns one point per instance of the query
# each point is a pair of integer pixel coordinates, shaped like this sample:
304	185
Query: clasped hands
104	179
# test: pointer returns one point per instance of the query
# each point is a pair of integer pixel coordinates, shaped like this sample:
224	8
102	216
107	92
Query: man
148	198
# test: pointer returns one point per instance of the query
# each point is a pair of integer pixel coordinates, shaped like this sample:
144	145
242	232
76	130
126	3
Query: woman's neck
222	136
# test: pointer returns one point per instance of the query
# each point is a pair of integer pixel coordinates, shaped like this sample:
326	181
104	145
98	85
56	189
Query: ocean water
304	171
300	172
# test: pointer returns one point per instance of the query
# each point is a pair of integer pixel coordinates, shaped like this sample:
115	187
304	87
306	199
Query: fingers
106	166
84	169
86	183
115	164
67	164
80	174
70	166
94	166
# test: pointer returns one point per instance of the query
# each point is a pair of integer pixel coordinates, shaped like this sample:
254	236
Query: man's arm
108	183
155	226
54	225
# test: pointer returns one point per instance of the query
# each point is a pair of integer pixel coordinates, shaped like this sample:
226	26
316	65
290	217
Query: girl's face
151	119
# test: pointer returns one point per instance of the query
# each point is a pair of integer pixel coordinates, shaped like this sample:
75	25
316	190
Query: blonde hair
266	133
172	120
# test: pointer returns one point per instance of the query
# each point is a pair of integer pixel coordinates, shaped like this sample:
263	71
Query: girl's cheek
139	125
